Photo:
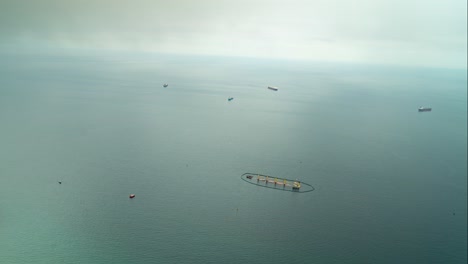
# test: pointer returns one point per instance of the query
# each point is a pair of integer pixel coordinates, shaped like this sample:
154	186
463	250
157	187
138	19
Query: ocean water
390	183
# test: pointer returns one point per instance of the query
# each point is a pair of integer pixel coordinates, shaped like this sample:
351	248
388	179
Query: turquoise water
390	183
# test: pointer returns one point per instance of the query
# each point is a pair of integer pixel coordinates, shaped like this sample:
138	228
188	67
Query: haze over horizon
414	33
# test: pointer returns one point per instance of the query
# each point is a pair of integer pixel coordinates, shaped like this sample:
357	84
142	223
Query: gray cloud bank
412	32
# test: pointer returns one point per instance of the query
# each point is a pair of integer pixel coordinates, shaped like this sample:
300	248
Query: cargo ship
273	88
424	109
277	183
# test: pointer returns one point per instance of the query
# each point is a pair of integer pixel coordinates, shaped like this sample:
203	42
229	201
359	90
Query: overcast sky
408	32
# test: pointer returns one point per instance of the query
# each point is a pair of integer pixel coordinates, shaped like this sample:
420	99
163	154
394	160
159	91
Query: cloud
413	32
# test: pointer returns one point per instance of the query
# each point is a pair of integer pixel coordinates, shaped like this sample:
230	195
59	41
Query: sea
390	182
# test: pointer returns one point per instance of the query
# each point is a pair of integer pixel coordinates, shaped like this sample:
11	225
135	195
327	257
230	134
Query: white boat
273	88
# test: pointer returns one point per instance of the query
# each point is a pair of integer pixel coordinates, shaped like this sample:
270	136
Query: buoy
132	196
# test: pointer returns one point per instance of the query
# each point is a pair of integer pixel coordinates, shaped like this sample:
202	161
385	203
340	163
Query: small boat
165	85
424	109
132	196
230	98
276	183
273	88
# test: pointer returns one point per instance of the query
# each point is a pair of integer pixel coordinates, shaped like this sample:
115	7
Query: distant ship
424	109
165	85
276	183
273	88
230	98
